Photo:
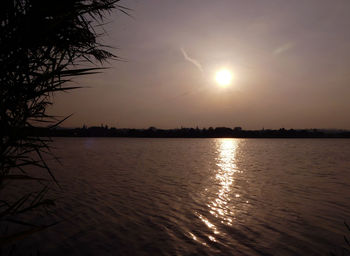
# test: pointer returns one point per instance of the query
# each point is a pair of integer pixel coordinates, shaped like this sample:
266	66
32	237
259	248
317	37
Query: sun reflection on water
225	177
219	205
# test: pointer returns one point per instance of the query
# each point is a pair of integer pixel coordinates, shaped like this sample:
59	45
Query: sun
223	77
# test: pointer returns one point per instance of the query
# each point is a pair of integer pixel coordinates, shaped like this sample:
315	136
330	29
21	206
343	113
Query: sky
290	62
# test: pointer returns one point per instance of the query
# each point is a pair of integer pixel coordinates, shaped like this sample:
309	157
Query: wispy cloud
284	48
191	60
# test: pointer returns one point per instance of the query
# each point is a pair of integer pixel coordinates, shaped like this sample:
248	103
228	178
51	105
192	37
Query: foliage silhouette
43	46
218	132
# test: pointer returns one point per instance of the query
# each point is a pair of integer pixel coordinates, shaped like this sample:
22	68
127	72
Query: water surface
126	196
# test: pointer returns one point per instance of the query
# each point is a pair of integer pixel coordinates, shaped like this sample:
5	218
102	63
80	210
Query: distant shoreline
218	132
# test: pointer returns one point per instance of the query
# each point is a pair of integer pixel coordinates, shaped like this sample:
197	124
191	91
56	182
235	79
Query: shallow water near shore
129	196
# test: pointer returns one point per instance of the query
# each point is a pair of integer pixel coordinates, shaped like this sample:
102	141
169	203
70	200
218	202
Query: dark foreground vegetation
44	45
218	132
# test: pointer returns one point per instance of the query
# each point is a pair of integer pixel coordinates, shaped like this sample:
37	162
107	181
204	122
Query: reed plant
44	45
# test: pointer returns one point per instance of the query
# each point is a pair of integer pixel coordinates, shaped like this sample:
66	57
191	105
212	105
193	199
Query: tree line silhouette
218	132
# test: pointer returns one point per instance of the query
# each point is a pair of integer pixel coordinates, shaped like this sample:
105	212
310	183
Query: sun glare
223	77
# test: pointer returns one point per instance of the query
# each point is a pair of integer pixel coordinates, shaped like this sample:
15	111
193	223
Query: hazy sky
290	60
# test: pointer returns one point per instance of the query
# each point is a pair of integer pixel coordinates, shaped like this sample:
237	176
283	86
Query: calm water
200	197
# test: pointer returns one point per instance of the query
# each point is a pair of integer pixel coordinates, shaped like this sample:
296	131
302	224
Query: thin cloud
191	60
284	48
